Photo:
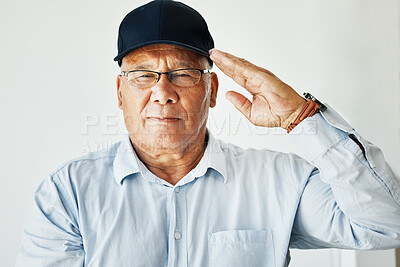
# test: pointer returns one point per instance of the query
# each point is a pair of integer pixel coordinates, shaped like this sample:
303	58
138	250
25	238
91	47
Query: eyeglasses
147	78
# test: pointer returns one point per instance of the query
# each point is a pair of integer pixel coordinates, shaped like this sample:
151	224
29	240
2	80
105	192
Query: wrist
292	117
311	107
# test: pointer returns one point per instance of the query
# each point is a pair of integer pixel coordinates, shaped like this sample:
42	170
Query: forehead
163	51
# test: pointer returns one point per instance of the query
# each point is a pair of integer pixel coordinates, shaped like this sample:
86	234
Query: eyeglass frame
125	73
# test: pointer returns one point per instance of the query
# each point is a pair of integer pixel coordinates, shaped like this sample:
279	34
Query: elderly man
170	194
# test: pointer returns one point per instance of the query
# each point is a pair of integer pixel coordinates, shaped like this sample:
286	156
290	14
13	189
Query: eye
139	76
142	78
181	75
145	76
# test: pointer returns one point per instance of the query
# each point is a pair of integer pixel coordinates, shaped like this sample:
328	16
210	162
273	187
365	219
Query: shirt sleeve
51	236
352	197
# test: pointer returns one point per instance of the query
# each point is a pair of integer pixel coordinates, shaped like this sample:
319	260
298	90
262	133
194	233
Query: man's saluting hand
275	104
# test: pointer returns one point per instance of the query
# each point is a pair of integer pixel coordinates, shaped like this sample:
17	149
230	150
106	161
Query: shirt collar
213	158
126	161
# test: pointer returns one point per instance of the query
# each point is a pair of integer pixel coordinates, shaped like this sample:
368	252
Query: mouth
164	119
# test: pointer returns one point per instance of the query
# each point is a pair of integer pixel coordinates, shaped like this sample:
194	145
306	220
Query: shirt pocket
241	248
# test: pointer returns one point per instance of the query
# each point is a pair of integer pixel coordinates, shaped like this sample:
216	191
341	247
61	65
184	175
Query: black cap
164	22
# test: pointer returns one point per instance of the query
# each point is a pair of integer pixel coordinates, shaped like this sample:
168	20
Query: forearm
362	185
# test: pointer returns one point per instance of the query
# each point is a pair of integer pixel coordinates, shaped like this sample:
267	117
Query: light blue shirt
235	208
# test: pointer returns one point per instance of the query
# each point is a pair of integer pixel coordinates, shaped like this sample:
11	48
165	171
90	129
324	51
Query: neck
172	165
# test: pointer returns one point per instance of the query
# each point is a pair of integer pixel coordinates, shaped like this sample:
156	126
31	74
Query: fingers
246	74
240	102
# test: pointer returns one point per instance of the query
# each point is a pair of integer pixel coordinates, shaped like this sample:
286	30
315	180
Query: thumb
240	102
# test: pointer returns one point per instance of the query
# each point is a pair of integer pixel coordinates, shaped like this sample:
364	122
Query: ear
214	89
119	92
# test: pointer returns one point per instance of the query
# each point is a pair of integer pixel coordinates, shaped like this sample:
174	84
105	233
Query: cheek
133	106
135	100
204	98
197	106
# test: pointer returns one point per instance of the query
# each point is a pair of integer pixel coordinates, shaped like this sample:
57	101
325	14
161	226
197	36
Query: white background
57	76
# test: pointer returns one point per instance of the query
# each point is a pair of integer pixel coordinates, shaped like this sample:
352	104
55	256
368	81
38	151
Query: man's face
166	116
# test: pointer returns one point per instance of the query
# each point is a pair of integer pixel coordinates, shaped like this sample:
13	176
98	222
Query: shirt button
177	235
176	189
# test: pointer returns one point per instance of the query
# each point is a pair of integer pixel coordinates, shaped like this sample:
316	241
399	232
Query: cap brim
189	47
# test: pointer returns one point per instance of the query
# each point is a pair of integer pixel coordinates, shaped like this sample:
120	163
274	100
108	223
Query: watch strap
309	109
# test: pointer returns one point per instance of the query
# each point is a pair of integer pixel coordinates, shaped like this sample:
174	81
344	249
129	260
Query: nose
163	91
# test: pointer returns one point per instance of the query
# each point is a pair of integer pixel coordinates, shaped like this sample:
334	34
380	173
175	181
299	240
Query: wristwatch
310	108
309	96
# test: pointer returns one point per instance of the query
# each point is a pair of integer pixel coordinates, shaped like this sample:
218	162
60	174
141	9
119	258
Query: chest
198	224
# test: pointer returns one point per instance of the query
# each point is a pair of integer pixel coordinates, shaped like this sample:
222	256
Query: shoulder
264	165
257	156
89	165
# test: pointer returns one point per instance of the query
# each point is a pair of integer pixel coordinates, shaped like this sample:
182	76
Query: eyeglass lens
181	78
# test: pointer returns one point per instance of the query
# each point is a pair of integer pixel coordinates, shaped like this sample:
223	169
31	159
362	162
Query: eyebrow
147	66
143	66
185	65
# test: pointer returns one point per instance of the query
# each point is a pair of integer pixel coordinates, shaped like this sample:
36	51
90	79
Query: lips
164	119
